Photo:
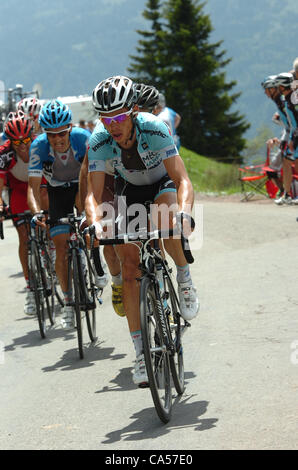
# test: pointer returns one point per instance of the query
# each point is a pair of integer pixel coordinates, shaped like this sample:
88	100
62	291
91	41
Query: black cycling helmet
284	79
147	96
114	93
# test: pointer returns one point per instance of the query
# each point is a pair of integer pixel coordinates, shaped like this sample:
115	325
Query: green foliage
255	152
190	71
208	175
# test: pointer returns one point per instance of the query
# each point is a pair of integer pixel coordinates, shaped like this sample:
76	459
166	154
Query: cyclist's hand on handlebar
3	212
185	223
38	219
96	230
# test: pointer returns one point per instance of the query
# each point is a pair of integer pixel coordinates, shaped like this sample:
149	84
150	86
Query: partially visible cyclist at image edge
169	116
147	99
147	166
57	154
14	161
31	108
284	83
280	117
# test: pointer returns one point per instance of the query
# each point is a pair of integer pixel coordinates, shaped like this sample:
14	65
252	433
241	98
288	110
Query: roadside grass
208	175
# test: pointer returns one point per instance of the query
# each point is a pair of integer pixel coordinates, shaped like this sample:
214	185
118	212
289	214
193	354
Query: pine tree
189	70
145	65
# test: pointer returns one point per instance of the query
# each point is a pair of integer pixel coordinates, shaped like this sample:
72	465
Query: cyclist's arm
33	194
177	172
177	120
94	196
83	183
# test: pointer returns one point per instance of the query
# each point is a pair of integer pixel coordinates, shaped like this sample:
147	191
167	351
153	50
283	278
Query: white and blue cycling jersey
58	169
154	145
168	115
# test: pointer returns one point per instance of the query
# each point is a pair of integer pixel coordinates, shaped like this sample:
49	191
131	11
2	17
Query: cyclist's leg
129	258
187	292
60	240
61	203
23	248
18	204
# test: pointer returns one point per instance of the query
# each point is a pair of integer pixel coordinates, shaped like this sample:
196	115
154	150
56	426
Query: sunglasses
60	133
118	118
22	141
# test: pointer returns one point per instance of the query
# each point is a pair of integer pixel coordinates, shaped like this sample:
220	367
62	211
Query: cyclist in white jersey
147	166
147	99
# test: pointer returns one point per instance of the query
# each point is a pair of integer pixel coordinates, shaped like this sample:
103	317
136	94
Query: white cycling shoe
68	317
30	306
140	376
189	301
101	281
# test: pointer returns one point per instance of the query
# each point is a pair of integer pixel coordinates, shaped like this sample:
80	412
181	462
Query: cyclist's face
59	138
22	150
120	131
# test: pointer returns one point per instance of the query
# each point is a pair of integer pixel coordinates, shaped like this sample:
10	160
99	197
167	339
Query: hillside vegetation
208	175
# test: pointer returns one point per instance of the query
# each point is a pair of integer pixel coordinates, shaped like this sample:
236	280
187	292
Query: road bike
81	282
162	325
42	277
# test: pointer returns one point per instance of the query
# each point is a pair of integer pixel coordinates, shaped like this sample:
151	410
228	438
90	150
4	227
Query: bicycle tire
155	353
176	359
49	286
88	296
91	294
77	302
36	284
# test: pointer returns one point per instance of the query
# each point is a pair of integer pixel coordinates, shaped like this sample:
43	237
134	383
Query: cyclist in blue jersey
169	116
57	154
284	83
147	166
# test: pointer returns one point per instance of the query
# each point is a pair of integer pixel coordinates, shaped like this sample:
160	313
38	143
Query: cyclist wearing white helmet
57	154
284	83
147	166
31	108
280	117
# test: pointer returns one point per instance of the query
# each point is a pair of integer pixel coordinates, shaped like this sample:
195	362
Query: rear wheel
155	352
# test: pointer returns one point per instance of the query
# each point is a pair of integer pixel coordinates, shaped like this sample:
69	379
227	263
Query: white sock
183	274
137	341
117	280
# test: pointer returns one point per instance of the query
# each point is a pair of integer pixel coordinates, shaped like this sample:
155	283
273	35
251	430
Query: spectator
169	116
90	126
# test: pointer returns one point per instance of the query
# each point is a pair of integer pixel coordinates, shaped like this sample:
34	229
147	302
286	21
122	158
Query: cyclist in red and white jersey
14	160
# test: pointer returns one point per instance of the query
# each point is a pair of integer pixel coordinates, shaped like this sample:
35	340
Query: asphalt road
241	353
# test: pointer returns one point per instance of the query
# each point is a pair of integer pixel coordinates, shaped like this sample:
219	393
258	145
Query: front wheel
155	352
176	358
36	285
77	299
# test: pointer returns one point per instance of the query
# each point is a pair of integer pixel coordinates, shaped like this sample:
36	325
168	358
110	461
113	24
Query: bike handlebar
156	234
